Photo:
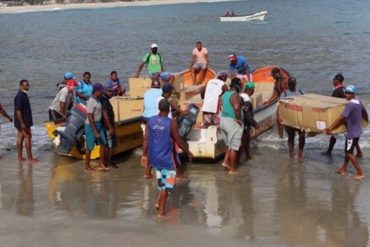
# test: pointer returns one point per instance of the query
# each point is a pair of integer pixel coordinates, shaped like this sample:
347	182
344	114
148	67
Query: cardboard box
125	108
256	100
266	89
312	112
138	86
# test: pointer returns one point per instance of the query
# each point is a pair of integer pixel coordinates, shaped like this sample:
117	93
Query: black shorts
54	116
350	145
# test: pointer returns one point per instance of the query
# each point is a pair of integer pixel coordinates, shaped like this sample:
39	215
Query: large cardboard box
138	86
256	100
266	89
312	112
125	108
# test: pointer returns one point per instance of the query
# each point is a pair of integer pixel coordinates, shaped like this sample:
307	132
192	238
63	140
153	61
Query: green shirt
227	107
153	63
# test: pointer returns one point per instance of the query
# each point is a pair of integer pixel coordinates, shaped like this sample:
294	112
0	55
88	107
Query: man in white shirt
199	63
62	102
212	92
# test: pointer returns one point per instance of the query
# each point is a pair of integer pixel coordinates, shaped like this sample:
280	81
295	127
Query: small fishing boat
69	141
183	78
208	143
260	16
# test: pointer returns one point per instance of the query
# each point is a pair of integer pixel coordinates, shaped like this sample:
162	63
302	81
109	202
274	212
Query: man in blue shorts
353	112
161	134
94	129
108	123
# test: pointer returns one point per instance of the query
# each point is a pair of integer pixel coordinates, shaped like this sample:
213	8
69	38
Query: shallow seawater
272	202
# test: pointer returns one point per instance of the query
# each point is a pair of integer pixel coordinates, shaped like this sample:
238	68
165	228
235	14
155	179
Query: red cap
72	83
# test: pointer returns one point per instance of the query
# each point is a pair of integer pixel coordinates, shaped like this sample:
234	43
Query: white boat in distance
256	16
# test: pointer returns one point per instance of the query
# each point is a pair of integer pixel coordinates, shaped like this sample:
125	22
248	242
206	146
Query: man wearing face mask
153	62
23	121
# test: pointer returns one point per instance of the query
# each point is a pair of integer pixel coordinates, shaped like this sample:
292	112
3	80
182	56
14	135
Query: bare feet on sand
33	161
148	176
250	157
233	172
326	153
359	176
21	159
103	168
224	165
341	171
300	158
89	169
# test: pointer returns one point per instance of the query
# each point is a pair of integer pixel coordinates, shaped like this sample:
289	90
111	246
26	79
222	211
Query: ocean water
314	40
274	201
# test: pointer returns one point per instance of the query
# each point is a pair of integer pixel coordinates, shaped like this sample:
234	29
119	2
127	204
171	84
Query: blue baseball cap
351	89
69	75
164	75
166	88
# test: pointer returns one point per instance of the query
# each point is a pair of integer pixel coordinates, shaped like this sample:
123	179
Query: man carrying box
352	114
339	93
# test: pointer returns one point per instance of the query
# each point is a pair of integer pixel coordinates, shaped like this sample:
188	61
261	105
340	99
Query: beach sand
57	7
272	202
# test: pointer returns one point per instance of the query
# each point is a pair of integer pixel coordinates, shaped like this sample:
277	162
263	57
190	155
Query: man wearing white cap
152	60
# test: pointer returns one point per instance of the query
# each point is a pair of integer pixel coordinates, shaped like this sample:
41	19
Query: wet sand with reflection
272	202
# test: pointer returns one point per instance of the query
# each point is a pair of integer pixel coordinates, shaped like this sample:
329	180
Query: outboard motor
73	130
187	122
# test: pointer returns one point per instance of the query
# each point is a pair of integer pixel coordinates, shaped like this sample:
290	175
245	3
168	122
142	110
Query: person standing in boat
94	129
232	124
199	63
248	119
240	67
108	123
338	92
153	62
293	91
84	89
161	134
115	84
23	121
211	103
351	116
62	102
150	109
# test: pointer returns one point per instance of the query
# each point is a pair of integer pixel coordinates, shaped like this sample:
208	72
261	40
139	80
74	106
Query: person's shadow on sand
25	203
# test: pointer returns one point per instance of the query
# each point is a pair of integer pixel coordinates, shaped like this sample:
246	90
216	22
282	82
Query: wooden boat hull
208	143
260	16
183	78
129	136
